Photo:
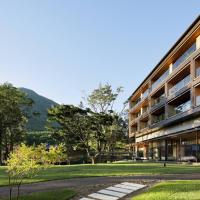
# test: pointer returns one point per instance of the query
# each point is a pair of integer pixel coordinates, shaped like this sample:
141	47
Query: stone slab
112	193
102	196
134	185
86	199
118	189
127	187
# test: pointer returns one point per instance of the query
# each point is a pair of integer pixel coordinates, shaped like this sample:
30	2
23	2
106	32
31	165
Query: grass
173	190
61	194
116	169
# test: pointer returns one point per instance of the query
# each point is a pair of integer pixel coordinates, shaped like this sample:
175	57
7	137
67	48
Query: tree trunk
1	149
18	187
10	190
93	160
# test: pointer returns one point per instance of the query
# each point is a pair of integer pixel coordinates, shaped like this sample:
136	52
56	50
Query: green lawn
61	194
117	169
173	190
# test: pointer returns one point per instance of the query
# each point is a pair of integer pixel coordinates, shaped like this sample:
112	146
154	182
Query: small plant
22	163
26	162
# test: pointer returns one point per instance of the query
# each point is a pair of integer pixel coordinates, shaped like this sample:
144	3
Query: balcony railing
184	56
181	108
158	118
198	71
197	100
145	94
144	126
161	79
158	100
145	110
179	85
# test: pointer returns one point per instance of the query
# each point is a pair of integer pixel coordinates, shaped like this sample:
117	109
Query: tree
12	118
79	128
27	161
62	123
102	100
96	129
57	154
22	163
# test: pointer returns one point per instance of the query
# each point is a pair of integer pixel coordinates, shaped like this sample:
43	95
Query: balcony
180	104
184	56
197	67
158	118
144	127
181	84
197	95
197	100
145	94
160	80
133	129
133	121
158	115
158	102
180	108
139	100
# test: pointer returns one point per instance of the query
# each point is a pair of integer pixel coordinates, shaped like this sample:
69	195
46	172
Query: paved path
86	182
115	192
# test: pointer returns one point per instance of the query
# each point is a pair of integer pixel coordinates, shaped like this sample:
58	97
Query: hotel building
164	111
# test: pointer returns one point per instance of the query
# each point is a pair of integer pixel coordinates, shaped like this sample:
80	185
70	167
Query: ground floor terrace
177	147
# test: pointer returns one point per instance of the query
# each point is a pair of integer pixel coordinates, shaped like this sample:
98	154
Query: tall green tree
102	100
79	128
12	118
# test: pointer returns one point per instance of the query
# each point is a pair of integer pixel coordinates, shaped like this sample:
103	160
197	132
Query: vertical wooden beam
192	76
196	146
166	150
198	42
180	149
170	68
166	105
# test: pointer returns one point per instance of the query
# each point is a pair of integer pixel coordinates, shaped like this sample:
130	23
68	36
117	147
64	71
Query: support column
160	149
196	146
192	91
136	150
166	150
145	151
179	150
166	105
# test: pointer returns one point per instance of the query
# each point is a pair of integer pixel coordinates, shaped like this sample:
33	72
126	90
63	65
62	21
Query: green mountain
37	113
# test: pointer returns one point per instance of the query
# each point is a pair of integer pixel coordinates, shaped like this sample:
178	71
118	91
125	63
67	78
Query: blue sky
62	48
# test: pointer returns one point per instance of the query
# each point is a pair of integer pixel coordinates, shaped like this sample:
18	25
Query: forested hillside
37	114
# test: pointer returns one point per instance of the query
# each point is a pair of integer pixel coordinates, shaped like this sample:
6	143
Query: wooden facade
164	111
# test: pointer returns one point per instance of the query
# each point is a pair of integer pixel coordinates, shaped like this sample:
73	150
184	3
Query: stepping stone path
115	192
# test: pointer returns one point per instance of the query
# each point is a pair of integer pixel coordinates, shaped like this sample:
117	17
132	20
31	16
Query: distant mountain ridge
38	112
